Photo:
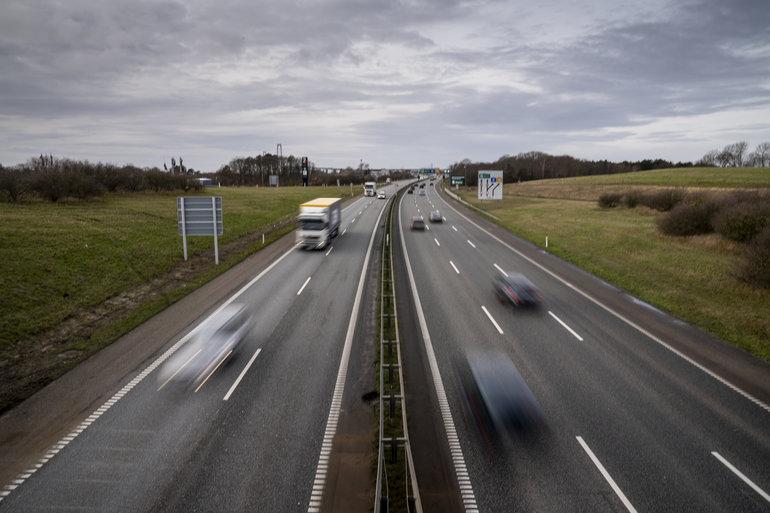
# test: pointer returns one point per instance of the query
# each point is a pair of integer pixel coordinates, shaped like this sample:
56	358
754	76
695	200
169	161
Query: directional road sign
490	185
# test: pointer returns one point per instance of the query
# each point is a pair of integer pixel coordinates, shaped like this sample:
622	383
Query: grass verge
590	187
690	277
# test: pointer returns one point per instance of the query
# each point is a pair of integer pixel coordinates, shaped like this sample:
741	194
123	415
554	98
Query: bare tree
710	158
760	157
736	153
724	158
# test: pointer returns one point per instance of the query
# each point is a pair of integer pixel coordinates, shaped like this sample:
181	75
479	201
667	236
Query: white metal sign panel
490	185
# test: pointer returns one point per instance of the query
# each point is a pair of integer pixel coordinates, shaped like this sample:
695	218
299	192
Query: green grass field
679	177
58	258
688	277
590	187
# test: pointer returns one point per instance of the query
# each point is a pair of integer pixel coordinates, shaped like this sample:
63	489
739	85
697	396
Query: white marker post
184	233
216	238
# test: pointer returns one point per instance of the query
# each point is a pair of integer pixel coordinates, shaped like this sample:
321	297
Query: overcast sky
405	83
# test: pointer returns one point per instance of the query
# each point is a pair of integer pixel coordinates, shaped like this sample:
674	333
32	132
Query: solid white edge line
497	326
454	267
565	326
437	243
500	269
109	403
446	413
319	482
740	474
607	476
472	244
618	315
304	285
240	376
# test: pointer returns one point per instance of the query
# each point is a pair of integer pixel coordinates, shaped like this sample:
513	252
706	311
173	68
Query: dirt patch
29	365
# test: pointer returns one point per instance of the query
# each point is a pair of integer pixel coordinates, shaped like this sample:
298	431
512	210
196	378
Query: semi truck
318	222
369	188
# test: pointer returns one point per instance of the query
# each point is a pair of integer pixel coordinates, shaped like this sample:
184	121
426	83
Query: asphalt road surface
631	425
256	435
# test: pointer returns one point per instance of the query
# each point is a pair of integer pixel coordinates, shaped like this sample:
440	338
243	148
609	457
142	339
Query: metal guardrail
393	435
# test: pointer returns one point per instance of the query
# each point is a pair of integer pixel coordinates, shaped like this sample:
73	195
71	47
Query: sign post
490	185
305	176
200	216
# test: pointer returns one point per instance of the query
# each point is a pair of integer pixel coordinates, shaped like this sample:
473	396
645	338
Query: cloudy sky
397	83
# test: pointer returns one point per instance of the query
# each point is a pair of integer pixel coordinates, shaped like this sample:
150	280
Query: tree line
737	155
537	165
54	179
251	171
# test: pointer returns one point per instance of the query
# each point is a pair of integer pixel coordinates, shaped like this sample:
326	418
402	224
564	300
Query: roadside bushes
610	199
662	200
755	268
55	179
743	221
739	216
692	217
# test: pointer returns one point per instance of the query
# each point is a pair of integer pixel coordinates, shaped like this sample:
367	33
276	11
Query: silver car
216	339
435	217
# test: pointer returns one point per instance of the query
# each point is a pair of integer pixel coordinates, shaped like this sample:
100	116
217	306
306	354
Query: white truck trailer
370	188
318	222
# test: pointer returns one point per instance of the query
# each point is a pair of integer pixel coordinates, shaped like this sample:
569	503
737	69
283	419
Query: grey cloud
145	67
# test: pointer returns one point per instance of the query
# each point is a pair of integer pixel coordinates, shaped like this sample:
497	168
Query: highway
631	425
257	433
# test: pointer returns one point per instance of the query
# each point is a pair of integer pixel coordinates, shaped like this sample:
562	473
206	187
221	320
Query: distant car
410	191
418	223
422	192
381	195
422	186
517	289
435	217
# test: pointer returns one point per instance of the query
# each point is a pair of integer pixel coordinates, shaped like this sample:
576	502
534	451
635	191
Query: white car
381	195
216	339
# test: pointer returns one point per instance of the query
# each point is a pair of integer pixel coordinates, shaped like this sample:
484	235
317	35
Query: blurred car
381	195
502	404
218	337
422	192
418	223
516	289
435	217
410	191
422	186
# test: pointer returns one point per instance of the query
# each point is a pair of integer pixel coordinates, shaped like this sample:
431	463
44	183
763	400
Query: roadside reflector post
546	241
216	238
263	239
184	230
